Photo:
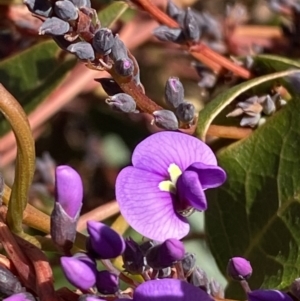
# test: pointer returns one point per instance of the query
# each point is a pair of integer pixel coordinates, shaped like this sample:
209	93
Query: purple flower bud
103	41
188	263
176	13
89	297
54	26
133	258
9	283
109	86
167	34
104	241
185	112
122	102
39	7
268	295
83	50
165	119
65	10
295	288
79	271
199	279
118	50
268	106
107	283
239	268
124	67
20	297
216	289
174	92
191	28
81	3
166	254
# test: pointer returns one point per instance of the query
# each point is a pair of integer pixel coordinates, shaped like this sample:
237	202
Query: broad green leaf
213	108
256	213
109	15
33	74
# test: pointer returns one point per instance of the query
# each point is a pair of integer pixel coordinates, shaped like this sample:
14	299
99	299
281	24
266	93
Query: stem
230	132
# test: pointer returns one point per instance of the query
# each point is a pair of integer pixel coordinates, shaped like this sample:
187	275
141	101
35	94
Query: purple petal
147	209
210	176
169	289
268	295
190	192
159	150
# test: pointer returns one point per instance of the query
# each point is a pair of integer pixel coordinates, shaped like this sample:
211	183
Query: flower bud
133	258
65	10
107	283
122	102
166	254
9	283
188	263
81	3
167	34
83	50
54	26
165	119
174	12
124	67
216	289
268	105
103	41
295	288
199	279
104	241
239	268
164	273
185	112
268	295
191	28
39	7
80	271
89	297
109	86
174	92
68	202
118	50
20	297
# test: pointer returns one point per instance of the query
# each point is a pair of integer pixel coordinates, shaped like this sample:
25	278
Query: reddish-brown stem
230	132
200	51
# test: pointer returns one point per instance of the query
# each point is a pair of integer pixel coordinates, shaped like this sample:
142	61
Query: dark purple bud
39	7
65	10
164	273
81	3
191	28
109	86
20	297
103	41
175	12
167	34
188	263
54	26
145	246
207	77
133	258
124	67
185	112
9	283
268	295
239	268
174	92
104	241
122	102
107	283
83	50
199	279
80	273
295	288
166	254
118	50
165	119
90	297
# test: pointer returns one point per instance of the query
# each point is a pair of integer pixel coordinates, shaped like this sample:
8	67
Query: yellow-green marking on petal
170	185
167	186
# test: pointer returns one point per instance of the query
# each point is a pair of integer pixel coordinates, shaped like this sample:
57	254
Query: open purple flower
166	184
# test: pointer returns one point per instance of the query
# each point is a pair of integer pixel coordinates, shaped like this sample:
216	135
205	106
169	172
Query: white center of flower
170	185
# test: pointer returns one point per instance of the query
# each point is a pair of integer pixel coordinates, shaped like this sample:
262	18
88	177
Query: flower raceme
166	183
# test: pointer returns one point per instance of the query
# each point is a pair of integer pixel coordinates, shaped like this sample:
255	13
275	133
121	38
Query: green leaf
212	109
33	74
109	15
256	213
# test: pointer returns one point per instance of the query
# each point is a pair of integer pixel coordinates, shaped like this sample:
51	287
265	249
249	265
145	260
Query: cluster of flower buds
254	108
193	25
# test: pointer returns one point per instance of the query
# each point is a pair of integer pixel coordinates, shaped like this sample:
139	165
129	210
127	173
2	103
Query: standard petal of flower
268	295
210	176
169	289
147	209
159	150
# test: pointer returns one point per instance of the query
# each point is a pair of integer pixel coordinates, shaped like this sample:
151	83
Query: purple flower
20	297
239	268
169	289
166	183
268	295
107	282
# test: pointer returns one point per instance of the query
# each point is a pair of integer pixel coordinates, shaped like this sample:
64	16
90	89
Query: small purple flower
166	184
107	282
268	295
20	297
239	268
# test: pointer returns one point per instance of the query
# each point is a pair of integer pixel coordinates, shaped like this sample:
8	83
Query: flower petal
159	150
268	295
147	209
169	289
190	192
210	176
